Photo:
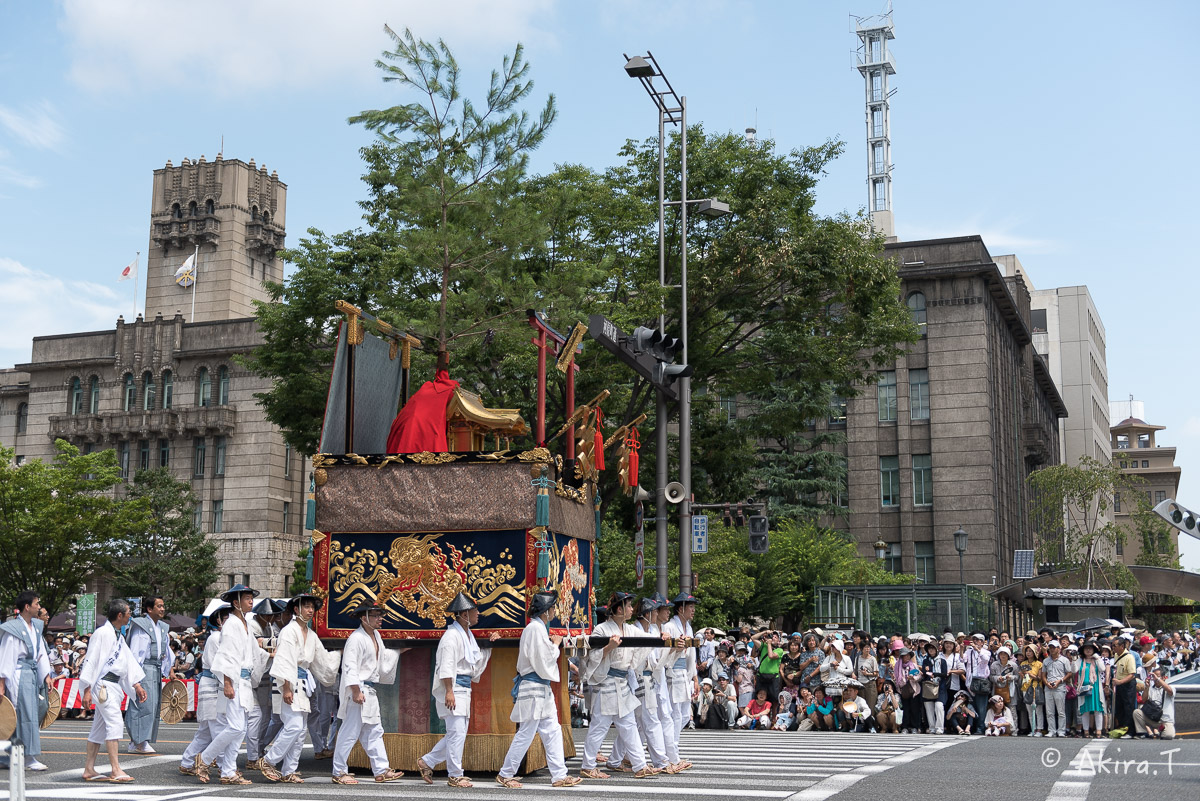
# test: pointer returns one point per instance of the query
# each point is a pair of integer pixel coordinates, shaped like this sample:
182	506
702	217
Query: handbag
981	686
1152	709
930	688
907	690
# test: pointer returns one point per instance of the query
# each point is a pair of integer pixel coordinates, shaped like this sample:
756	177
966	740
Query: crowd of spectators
1044	683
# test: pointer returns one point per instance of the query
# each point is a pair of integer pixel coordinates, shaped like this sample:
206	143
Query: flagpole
195	272
136	267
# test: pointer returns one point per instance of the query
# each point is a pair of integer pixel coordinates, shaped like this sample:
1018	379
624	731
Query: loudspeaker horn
640	494
674	492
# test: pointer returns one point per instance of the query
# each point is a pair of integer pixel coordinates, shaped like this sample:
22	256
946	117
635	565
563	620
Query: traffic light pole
685	383
660	408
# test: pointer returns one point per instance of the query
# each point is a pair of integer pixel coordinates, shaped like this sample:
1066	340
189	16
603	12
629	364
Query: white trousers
551	733
626	732
651	727
352	731
322	720
450	748
229	729
108	723
285	751
257	720
200	741
666	721
935	716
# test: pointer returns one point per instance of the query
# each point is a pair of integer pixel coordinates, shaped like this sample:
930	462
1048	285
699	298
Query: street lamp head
712	208
960	540
638	67
881	549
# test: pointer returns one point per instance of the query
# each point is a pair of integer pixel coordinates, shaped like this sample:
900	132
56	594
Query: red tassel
633	444
598	451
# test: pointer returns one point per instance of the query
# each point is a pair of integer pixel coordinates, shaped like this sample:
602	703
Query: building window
1037	320
891	562
176	212
218	524
918	394
1120	548
287	460
837	411
198	464
1145	463
922	479
1124	464
1159	497
168	389
729	408
880	196
144	454
1122	441
198	518
219	462
130	392
22	417
1117	500
164	453
923	557
149	390
889	480
877	122
878	166
19	460
287	514
876	86
222	386
203	388
123	458
887	395
916	307
208	206
1143	441
94	392
76	396
192	209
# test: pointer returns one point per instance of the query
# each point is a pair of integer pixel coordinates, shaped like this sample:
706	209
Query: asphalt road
764	765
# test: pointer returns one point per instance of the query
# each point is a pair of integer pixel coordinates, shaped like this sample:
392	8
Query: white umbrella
213	606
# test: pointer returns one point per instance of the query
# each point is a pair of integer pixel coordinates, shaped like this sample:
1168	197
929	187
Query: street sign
699	533
85	613
1196	626
638	515
639	558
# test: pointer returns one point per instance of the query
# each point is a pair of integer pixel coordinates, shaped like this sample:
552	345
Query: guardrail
16	769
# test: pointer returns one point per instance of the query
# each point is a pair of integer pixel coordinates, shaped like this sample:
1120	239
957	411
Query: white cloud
36	303
36	126
1000	236
232	47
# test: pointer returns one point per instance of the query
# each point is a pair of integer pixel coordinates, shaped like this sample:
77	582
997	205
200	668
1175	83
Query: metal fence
906	608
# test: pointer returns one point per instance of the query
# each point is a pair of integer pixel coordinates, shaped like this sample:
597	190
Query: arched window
94	392
192	209
254	212
176	212
208	206
222	385
22	417
916	306
130	392
266	217
149	390
168	388
203	388
76	399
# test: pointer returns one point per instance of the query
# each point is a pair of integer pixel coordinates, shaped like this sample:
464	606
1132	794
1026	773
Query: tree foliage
170	557
60	521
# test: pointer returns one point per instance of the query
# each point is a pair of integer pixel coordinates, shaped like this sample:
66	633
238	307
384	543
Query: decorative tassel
632	442
541	523
598	451
543	563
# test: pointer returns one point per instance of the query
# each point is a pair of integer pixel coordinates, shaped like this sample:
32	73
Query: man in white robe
534	710
665	660
24	670
460	663
682	681
232	666
646	665
149	639
300	663
208	691
366	663
614	703
110	669
264	626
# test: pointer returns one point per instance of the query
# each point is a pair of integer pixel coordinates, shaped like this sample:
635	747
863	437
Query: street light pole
685	384
960	545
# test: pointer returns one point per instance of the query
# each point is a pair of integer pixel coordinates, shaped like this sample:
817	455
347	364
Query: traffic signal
648	351
758	534
656	343
1181	518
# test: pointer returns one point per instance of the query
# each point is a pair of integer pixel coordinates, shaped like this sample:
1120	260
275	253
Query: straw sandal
293	778
671	770
200	770
509	782
326	754
256	764
646	773
236	778
593	773
459	781
270	773
426	771
389	776
569	781
345	778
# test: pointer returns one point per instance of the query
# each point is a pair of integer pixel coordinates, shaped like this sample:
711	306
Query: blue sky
1057	131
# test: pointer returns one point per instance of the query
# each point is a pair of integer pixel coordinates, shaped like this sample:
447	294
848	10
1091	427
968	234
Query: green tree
170	557
300	582
60	522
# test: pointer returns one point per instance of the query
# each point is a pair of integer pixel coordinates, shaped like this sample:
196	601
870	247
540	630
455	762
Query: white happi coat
646	660
364	661
209	690
613	696
238	651
536	655
457	655
108	653
679	678
299	647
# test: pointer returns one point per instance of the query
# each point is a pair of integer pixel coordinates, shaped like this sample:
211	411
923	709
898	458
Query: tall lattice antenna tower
874	61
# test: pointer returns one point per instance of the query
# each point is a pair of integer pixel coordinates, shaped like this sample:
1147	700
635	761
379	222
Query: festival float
414	506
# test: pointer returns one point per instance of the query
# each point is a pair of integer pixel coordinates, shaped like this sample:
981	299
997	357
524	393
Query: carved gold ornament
425	457
320	476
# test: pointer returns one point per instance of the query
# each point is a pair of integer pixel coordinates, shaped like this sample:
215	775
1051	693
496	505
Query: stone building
1137	453
950	433
166	390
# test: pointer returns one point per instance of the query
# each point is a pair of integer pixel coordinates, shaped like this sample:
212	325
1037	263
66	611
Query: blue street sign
699	533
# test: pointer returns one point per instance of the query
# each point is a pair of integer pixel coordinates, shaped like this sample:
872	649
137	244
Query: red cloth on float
421	424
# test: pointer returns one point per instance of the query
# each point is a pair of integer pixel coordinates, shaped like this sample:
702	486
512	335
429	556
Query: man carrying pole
366	663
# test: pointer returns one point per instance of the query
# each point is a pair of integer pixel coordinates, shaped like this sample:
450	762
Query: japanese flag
129	272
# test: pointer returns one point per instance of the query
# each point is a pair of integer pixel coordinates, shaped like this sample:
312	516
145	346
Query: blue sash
301	674
617	673
245	673
207	674
370	684
681	663
535	678
463	680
